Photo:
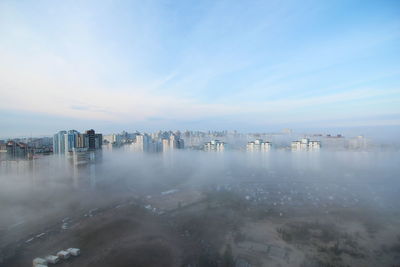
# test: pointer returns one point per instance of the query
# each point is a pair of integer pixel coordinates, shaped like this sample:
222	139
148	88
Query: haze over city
200	133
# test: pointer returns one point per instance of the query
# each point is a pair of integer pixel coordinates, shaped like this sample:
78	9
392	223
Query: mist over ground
279	183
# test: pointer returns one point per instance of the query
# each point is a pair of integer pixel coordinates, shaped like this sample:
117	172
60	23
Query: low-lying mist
54	182
45	190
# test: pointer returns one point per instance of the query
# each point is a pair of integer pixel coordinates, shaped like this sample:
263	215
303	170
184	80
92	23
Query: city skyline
262	66
182	133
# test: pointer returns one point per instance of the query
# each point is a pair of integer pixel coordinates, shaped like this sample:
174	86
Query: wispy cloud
259	63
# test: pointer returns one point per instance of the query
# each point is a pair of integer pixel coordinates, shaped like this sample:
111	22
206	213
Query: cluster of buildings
144	142
214	145
306	144
13	149
172	143
259	145
73	141
338	142
20	148
164	142
196	139
119	139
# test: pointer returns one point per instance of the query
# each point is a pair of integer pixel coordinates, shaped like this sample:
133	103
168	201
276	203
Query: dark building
91	135
98	141
94	140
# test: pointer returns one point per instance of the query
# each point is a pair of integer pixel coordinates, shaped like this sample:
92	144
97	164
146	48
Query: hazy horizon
310	178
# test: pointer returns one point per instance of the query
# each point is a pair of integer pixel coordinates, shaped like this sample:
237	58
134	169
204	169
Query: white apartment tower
306	144
258	145
214	145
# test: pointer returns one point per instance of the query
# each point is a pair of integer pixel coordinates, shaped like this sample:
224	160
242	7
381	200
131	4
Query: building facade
59	142
306	144
214	145
259	145
172	143
65	142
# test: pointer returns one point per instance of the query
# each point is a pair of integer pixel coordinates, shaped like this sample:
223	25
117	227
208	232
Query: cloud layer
264	63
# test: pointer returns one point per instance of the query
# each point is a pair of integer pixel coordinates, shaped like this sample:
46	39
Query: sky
245	65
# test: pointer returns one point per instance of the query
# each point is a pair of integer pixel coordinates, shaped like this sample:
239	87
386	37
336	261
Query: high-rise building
142	142
172	143
91	139
306	144
59	142
94	140
165	144
98	141
70	140
82	141
64	142
214	145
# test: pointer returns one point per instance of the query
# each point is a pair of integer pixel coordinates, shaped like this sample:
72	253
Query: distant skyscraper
82	141
59	142
165	144
91	139
173	142
94	141
70	140
142	142
64	142
98	141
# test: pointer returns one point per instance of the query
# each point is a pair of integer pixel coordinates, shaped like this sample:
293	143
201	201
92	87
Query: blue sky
246	65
